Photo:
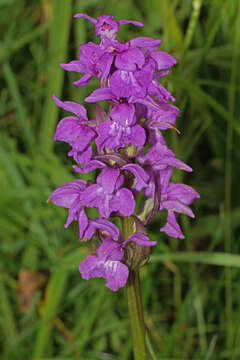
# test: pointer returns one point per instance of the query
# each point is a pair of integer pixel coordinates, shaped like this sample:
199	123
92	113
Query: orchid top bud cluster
129	149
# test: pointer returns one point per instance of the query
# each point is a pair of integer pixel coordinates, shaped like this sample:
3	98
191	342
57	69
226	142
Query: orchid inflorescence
129	149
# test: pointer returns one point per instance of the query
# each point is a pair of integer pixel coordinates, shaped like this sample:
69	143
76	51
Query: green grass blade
19	106
54	294
217	258
7	318
58	46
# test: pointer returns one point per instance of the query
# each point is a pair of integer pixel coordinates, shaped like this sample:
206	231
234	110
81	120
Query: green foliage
190	287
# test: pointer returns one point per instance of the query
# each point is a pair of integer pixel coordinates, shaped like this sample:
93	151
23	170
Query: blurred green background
191	289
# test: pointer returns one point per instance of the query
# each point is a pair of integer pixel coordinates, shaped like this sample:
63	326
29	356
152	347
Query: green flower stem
135	307
136	315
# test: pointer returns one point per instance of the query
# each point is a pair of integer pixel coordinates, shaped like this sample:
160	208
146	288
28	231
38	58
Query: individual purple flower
75	131
88	227
106	27
122	130
159	156
89	63
177	197
164	117
108	195
69	195
107	263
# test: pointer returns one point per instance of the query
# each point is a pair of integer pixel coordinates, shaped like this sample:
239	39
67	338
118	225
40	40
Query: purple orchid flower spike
107	264
125	144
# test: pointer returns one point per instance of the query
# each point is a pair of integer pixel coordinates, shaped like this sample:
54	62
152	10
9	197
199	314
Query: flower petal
172	228
71	106
137	136
103	224
89	166
107	179
130	60
141	239
75	66
123	114
94	21
114	272
136	23
124	202
184	193
141	41
141	176
74	132
83	81
176	206
66	194
100	94
163	60
83	223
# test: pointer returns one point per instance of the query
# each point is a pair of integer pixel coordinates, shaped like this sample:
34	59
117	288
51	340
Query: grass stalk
58	45
228	183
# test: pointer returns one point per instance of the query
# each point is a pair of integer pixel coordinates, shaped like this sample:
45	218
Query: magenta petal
71	106
89	196
123	114
177	206
110	250
184	193
109	227
106	264
124	202
136	23
100	94
141	176
172	228
124	84
163	60
66	194
74	65
152	44
105	63
83	81
83	223
82	157
104	136
75	132
89	268
164	117
138	136
130	60
114	272
94	21
107	179
90	166
141	239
